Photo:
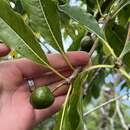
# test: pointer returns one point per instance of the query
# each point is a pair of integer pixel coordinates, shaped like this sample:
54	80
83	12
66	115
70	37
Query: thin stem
99	66
65	106
104	6
94	76
94	47
110	49
100	11
127	42
128	34
67	60
57	87
106	103
56	72
122	120
69	80
118	10
124	73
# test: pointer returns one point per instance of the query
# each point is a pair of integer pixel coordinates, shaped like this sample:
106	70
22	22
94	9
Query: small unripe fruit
86	43
41	98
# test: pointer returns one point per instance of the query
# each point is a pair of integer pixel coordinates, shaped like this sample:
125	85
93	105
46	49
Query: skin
16	113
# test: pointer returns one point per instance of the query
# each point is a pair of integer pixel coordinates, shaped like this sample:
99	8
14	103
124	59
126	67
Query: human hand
16	112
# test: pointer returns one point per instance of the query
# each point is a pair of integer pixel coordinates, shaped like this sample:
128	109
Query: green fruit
42	98
86	43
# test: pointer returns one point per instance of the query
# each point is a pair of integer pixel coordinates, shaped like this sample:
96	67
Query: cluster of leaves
23	24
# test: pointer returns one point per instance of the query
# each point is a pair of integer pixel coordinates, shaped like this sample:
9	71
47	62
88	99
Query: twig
64	108
128	35
127	42
94	76
69	80
99	8
99	66
124	125
103	8
104	104
95	45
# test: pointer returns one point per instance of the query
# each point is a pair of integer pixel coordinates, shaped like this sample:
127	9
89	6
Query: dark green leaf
124	15
116	36
76	43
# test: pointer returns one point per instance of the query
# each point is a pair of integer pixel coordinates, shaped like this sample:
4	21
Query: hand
16	112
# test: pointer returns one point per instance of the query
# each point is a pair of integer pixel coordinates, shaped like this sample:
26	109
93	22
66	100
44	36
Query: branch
128	35
103	8
106	103
94	76
124	125
70	79
127	42
95	45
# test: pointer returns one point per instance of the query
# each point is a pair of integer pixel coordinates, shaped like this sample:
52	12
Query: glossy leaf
17	35
44	19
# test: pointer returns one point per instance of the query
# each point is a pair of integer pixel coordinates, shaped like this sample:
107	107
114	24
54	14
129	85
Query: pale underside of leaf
18	36
43	18
86	19
126	49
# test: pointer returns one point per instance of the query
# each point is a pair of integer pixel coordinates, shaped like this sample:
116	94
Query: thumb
4	50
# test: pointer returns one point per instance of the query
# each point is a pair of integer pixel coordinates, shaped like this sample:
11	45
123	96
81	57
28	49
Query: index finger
29	68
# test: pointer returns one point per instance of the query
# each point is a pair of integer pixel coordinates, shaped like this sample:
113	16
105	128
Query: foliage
30	27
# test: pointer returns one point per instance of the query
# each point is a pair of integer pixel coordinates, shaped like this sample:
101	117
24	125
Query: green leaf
124	15
126	49
116	36
75	46
17	35
85	19
119	6
44	19
73	117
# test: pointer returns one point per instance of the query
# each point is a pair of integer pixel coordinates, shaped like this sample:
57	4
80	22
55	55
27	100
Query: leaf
17	35
73	117
119	6
126	49
124	15
44	19
85	19
75	46
116	36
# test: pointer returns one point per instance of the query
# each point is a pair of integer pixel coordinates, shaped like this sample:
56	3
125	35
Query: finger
45	113
59	91
51	78
4	50
28	68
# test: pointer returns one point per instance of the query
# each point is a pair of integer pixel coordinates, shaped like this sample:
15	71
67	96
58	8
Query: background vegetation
34	28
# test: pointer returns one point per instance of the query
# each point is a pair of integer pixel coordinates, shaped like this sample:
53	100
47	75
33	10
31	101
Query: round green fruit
41	98
86	43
